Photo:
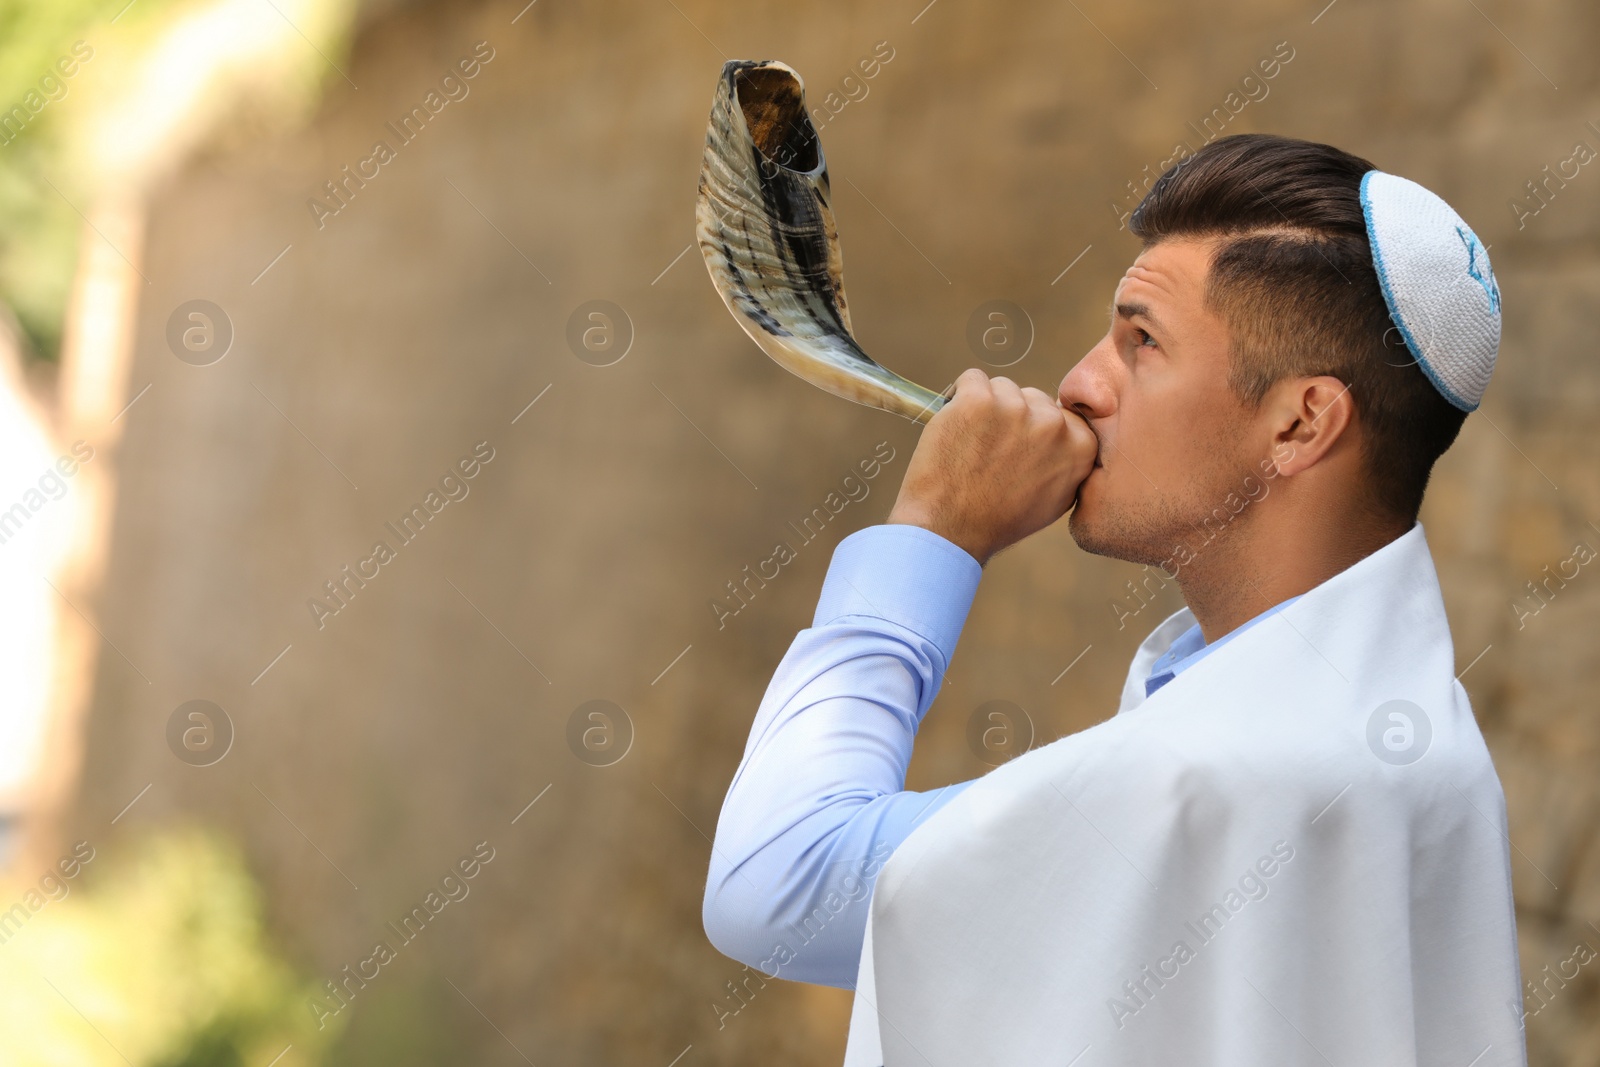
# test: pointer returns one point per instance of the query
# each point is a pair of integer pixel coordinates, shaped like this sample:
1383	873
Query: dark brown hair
1295	283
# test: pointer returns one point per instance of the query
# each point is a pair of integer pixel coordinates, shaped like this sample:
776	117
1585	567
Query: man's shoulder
1396	749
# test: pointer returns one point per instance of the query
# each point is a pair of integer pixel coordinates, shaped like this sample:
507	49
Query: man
1289	844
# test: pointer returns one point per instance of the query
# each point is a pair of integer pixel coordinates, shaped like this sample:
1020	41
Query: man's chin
1087	533
1097	530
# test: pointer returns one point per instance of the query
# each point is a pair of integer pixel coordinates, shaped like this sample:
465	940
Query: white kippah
1437	281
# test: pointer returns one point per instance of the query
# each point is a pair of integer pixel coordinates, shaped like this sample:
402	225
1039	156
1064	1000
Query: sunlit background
241	345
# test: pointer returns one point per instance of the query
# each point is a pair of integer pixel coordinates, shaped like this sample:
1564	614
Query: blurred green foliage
42	184
39	226
157	956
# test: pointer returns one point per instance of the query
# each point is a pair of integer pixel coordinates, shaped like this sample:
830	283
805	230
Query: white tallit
1225	873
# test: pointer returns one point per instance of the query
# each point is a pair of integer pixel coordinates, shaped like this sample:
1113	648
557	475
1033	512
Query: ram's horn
768	237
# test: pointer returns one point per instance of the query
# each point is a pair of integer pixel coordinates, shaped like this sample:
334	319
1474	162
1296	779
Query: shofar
769	239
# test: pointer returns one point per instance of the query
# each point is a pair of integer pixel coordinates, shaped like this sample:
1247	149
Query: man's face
1173	436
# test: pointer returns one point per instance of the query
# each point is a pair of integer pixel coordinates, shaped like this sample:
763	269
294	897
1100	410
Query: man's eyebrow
1135	311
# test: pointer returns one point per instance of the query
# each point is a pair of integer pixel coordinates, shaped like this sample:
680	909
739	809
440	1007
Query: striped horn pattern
769	240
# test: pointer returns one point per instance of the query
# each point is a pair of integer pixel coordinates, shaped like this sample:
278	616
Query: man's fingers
1040	401
959	394
972	382
1007	393
1081	435
1046	411
997	463
975	387
972	378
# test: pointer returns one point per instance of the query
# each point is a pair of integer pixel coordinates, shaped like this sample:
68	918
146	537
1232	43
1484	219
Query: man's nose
1088	388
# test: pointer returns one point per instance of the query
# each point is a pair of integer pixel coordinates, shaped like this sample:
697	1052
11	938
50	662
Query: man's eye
1144	338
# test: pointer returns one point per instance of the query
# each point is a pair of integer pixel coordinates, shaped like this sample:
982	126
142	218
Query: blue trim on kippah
1394	310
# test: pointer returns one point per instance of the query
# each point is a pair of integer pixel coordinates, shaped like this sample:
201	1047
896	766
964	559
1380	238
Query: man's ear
1308	416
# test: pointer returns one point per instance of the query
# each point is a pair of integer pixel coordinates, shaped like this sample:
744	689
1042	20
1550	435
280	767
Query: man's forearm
819	802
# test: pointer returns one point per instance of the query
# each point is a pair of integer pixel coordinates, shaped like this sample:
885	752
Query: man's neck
1257	565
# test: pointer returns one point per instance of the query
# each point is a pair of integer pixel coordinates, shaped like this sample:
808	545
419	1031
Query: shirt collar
1190	647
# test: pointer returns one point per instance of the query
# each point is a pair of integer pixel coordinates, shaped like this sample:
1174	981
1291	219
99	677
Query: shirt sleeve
819	801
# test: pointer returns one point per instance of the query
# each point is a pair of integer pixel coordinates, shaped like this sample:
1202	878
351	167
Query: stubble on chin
1144	533
1150	530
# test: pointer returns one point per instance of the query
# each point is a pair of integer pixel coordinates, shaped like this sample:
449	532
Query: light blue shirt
819	802
1190	647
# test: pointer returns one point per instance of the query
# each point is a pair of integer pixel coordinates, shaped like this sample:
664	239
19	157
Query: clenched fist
997	463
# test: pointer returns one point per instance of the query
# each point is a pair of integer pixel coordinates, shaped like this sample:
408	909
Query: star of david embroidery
1490	287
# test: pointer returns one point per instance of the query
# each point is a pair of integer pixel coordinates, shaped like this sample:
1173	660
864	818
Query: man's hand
995	464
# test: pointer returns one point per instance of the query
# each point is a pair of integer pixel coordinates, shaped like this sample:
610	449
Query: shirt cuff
905	575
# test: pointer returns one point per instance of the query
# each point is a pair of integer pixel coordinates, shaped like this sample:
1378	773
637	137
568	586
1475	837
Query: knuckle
971	384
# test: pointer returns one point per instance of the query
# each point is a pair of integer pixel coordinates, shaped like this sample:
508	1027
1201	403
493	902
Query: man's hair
1294	281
